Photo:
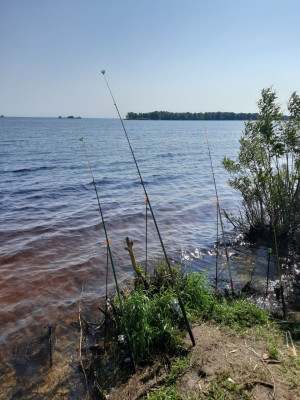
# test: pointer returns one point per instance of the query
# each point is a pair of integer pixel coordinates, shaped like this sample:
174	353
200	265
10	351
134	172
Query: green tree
267	169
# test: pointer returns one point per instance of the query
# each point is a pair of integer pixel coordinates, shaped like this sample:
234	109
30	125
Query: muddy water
51	237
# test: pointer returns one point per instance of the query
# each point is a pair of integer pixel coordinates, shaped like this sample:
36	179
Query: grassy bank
154	319
237	345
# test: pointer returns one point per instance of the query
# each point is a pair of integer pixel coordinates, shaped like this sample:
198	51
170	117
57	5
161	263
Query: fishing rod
217	246
219	210
154	220
106	293
146	236
111	260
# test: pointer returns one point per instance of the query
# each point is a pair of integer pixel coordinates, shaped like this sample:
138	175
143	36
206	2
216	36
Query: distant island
187	116
1	116
70	117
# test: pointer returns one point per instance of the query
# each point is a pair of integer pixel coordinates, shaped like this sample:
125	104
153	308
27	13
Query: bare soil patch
239	365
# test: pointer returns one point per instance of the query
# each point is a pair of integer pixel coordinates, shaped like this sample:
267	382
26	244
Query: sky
170	55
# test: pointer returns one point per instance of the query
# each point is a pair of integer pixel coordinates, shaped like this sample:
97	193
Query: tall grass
152	323
201	302
156	326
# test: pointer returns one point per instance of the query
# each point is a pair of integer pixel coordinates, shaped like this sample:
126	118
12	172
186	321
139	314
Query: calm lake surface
52	241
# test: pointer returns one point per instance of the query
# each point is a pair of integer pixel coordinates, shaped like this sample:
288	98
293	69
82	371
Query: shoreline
60	362
203	370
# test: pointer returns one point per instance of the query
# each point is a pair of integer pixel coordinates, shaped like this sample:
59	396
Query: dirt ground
220	358
254	365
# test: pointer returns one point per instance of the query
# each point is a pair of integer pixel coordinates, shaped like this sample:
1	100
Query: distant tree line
187	116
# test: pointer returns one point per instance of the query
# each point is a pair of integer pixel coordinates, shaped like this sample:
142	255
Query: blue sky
187	55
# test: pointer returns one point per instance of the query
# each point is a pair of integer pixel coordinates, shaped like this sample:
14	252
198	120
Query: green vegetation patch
156	323
266	171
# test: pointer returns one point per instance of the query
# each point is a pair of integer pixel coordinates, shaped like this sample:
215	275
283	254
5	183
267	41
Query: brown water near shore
25	366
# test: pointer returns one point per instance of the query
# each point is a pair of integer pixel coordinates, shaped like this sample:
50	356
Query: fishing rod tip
81	139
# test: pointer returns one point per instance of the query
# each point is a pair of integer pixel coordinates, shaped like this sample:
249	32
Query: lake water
52	244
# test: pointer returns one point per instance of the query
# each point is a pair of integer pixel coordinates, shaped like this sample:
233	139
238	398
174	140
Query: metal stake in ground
154	220
111	259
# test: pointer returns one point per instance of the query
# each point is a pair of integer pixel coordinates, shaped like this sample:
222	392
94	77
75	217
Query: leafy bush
267	169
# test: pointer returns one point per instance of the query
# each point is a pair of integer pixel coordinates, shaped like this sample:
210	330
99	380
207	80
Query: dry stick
294	351
88	322
50	333
219	209
154	220
136	269
266	366
255	382
80	345
105	313
287	339
30	341
80	357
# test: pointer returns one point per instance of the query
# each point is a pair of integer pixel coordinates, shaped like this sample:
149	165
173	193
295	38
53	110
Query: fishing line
154	220
111	259
219	211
